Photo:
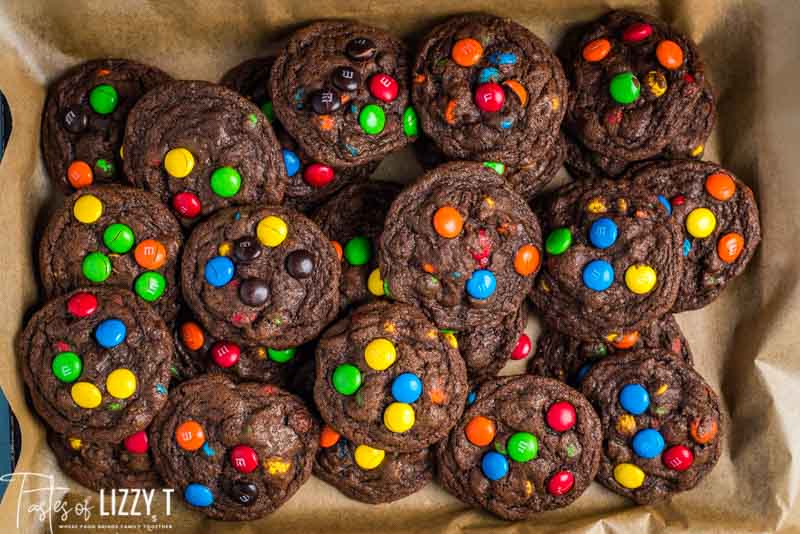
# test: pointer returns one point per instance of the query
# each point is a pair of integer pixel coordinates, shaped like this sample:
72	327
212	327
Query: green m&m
410	123
96	267
67	366
522	447
150	286
103	99
558	241
624	88
496	166
226	181
372	119
358	250
346	379
118	238
104	167
281	356
266	109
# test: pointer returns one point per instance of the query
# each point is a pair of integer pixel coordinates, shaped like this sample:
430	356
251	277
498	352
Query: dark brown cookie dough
388	378
719	217
354	219
489	90
234	452
461	246
486	350
261	275
638	91
341	90
662	426
613	263
370	475
99	465
115	236
201	147
96	362
568	359
525	445
309	182
84	119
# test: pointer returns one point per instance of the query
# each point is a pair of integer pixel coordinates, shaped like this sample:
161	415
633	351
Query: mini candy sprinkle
648	443
87	209
372	119
447	222
522	447
626	340
281	356
79	174
67	366
406	388
480	430
669	54
179	162
598	275
380	354
626	424
560	483
410	122
103	99
687	247
640	279
198	495
118	238
482	284
150	286
375	283
290	161
96	267
398	417
526	260
558	241
561	416
271	231
665	203
367	457
720	186
603	233
86	395
110	333
596	50
624	88
150	254
190	435
226	181
121	383
471	397
629	476
678	458
219	270
346	379
494	465
634	399
466	52
358	250
104	166
701	222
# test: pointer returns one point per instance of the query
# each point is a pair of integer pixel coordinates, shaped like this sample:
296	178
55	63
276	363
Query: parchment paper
744	344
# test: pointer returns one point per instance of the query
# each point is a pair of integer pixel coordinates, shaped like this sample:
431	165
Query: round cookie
96	362
719	217
637	91
487	89
255	363
261	275
99	465
525	445
114	236
461	246
662	426
341	90
353	220
370	475
387	378
84	119
309	182
486	350
613	260
201	147
568	359
234	452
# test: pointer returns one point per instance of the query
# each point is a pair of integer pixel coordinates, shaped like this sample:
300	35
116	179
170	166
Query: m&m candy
596	50
624	88
318	175
243	492
669	54
87	209
244	459
522	447
640	279
526	260
110	333
703	430
67	366
272	231
629	476
701	222
447	222
137	443
187	204
380	354
634	399
192	335
482	284
299	264
198	495
558	241
190	435
561	416
103	99
638	31
372	119
121	383
118	238
150	254
466	52
346	379
489	74
720	186
598	275
79	174
398	417
480	430
282	355
375	283
523	347
407	388
219	270
679	458
328	437
603	233
560	483
360	49
383	87
494	465
150	286
86	395
96	267
410	122
225	353
730	247
358	250
179	162
290	161
648	443
82	304
226	182
490	97
368	457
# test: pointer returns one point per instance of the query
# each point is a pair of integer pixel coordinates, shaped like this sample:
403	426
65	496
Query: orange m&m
626	341
338	248
519	90
730	246
703	430
79	174
480	430
669	54
527	259
720	186
192	335
328	437
466	52
447	222
190	436
150	254
596	50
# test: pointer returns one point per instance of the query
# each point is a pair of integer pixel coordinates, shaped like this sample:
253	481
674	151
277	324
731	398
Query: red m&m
244	459
318	175
82	304
523	347
137	443
186	204
490	97
679	458
638	31
561	416
560	483
225	353
383	87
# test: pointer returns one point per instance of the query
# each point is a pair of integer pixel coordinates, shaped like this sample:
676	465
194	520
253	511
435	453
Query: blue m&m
198	495
603	232
648	443
482	284
219	271
471	398
494	465
291	162
665	203
598	275
582	372
407	388
687	247
634	399
110	333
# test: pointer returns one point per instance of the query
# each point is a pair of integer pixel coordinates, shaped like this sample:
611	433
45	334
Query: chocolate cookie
662	426
486	350
353	220
638	91
370	475
114	236
341	90
387	378
261	275
84	119
614	261
256	363
201	147
96	362
568	359
310	182
234	452
461	246
99	465
525	445
719	217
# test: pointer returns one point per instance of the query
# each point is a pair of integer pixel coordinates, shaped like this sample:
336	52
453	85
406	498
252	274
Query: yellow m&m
375	283
380	354
701	222
179	162
398	417
75	444
629	476
368	458
640	279
87	209
86	395
121	383
271	231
